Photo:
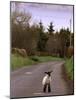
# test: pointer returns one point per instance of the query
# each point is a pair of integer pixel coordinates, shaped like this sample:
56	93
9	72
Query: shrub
34	58
70	51
21	52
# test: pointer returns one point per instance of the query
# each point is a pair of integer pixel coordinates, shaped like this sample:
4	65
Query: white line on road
28	73
38	93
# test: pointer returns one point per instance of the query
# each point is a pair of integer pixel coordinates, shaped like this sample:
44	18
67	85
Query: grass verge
69	68
45	58
18	61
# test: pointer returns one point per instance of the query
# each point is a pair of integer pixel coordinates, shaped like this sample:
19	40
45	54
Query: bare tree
21	18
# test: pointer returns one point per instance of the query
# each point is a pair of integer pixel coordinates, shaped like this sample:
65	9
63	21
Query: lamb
46	82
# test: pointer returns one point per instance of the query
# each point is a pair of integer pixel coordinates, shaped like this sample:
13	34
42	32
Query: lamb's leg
49	88
44	88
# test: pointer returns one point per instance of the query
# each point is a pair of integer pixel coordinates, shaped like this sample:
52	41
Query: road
27	81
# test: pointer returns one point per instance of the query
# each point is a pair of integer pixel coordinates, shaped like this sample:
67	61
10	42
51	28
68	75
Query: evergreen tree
50	29
64	36
42	38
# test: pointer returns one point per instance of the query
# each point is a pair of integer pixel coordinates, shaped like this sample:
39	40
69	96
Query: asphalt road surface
27	81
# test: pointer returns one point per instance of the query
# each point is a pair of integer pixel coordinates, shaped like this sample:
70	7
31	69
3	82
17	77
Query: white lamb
46	82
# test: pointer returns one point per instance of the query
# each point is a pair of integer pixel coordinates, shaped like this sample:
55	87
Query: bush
34	58
70	51
21	52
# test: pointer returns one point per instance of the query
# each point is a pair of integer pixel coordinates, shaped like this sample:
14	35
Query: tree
31	39
20	18
64	36
72	36
42	38
50	28
18	27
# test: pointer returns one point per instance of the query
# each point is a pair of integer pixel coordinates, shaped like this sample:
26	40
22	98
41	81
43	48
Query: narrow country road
27	81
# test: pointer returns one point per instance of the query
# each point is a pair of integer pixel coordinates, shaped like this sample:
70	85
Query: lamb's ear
45	72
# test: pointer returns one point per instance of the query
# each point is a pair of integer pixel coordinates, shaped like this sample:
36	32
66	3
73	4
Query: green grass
69	67
49	58
17	61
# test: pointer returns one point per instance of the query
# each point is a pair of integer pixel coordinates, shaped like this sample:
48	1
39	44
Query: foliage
50	29
23	35
64	37
33	38
18	61
18	51
48	58
69	65
42	38
34	58
70	51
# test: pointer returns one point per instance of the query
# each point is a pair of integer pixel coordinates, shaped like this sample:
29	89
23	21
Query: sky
60	15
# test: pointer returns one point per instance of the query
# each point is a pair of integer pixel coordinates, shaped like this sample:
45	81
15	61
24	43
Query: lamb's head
48	73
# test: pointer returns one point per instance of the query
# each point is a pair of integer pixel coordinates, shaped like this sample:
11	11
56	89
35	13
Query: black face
49	73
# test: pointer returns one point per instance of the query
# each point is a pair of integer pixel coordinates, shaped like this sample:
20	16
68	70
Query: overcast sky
60	15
